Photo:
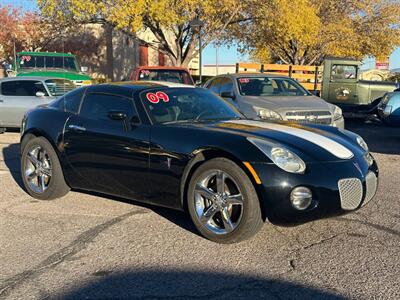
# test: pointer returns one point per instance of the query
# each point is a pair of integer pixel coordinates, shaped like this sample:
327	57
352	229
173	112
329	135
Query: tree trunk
108	30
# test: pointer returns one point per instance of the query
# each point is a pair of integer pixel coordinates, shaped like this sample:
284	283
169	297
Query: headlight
267	114
282	157
362	143
337	113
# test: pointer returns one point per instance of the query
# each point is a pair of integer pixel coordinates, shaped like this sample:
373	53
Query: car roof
55	54
150	84
162	68
246	75
38	78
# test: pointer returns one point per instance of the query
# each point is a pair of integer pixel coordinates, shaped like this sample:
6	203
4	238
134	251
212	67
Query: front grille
310	117
351	192
372	184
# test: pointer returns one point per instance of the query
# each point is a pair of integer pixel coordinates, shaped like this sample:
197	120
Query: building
213	70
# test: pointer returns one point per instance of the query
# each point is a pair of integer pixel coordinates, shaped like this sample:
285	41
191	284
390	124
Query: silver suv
275	98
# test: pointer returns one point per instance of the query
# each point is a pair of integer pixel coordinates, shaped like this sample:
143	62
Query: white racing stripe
328	144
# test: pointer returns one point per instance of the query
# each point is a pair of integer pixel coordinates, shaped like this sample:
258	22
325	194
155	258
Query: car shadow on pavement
182	284
179	218
380	138
12	161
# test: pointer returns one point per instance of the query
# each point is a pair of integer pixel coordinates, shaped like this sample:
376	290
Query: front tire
223	202
41	171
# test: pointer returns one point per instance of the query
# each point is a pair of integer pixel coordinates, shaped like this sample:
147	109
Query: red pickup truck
164	73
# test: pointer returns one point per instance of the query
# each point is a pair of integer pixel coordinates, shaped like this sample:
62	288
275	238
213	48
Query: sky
226	55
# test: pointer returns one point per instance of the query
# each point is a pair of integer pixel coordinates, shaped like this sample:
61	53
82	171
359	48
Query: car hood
55	73
290	103
312	143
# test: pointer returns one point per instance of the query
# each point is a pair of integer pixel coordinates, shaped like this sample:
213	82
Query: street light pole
200	48
197	23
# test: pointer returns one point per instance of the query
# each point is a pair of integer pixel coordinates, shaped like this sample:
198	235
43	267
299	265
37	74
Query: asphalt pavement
86	246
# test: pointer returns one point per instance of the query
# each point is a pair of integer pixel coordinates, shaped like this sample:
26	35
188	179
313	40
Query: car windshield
170	105
177	76
267	86
47	62
58	87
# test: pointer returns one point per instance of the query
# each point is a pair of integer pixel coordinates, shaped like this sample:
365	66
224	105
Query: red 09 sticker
156	97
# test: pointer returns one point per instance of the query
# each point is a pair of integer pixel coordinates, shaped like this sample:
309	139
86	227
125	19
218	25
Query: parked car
186	148
162	73
19	94
50	64
389	108
275	98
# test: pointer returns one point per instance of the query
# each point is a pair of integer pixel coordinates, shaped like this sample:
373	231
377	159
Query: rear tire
41	171
223	203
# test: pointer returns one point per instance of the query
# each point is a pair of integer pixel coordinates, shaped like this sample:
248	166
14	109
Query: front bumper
79	83
328	184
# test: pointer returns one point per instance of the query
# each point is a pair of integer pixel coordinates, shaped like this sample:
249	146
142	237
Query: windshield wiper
183	121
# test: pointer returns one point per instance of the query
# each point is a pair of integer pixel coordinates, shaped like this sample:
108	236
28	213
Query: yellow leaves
303	31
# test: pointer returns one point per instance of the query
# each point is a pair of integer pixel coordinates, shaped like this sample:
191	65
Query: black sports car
186	148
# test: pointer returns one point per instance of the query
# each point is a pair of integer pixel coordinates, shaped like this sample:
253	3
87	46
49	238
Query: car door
19	96
343	84
110	155
214	85
227	91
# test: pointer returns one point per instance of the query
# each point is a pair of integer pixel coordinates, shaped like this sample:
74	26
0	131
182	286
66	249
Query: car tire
41	171
212	210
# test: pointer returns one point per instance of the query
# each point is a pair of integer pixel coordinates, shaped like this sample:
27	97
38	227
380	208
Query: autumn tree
168	20
10	31
24	30
305	31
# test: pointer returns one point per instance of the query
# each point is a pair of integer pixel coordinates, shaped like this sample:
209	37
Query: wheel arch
202	155
33	133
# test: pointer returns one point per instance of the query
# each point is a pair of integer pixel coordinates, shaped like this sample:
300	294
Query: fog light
301	197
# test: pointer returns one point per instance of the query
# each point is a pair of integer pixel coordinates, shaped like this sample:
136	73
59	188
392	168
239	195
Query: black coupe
186	148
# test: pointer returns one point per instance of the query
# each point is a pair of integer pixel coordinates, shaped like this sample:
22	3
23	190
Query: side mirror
228	95
117	115
135	120
84	69
198	83
40	94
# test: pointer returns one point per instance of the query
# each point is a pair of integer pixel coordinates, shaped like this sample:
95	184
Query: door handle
77	128
1	100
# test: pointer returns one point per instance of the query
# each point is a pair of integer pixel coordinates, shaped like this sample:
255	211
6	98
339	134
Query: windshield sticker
156	97
244	80
25	58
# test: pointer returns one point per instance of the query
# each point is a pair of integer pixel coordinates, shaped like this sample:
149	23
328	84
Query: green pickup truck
49	64
341	86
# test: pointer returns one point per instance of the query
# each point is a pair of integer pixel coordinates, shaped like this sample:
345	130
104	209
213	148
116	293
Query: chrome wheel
218	202
38	170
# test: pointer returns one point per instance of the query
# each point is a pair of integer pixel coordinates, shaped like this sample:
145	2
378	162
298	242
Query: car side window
226	85
343	72
72	100
96	106
22	88
215	86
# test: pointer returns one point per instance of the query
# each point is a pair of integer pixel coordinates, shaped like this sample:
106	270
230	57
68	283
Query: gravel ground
86	246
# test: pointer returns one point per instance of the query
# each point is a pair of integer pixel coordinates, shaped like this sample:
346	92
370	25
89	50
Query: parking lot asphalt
87	246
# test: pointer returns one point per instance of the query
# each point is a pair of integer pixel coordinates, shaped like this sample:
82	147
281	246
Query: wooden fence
310	77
